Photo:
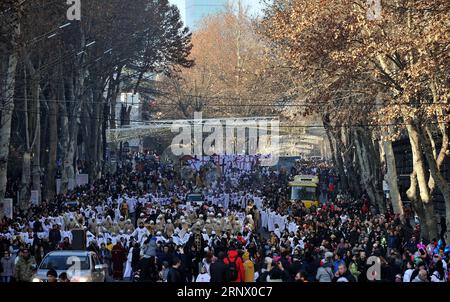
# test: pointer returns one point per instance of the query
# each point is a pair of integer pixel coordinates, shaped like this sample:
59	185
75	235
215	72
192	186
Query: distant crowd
142	223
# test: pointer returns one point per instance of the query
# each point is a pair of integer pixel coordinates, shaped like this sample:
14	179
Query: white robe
293	227
127	272
140	233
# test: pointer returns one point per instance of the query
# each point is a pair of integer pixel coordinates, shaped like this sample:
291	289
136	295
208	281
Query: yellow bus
304	188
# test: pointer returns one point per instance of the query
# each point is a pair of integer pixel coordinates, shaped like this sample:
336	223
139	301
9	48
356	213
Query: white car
80	266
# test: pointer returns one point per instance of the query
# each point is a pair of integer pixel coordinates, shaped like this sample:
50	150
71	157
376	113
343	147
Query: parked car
80	266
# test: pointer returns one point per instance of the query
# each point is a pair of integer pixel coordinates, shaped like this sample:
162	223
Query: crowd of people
142	223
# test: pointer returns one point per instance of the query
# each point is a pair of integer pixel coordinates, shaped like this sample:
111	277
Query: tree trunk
6	116
419	169
439	179
369	167
392	180
64	140
50	185
25	180
26	159
35	117
340	161
417	204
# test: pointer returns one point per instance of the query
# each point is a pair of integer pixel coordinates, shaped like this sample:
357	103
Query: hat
142	215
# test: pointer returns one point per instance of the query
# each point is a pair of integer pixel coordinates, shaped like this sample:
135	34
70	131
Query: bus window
303	193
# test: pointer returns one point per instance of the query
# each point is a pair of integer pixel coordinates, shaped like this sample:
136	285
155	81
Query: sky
254	6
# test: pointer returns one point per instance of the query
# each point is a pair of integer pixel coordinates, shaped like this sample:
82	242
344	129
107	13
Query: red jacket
233	257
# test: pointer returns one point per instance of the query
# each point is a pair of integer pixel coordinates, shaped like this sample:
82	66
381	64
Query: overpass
156	127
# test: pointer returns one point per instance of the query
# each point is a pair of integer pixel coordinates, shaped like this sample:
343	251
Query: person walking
7	267
118	256
439	274
218	269
25	267
325	271
54	237
203	276
249	268
343	275
235	266
174	275
106	257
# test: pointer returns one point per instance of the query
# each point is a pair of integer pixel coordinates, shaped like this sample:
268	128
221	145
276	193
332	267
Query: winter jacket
54	236
7	267
150	249
23	270
325	273
346	277
234	258
218	271
393	242
174	276
249	268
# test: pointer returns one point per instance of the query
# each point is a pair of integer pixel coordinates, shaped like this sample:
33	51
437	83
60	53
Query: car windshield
63	263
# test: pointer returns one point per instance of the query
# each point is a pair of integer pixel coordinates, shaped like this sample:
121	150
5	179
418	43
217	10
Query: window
63	263
303	193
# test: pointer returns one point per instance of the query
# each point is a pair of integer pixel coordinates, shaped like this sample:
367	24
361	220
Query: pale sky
255	6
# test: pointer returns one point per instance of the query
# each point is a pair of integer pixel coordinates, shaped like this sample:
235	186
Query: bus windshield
303	193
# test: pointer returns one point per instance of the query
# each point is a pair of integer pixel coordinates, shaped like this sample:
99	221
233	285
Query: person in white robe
128	269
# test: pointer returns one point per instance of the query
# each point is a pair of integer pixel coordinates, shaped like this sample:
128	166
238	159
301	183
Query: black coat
37	227
347	276
54	236
174	276
218	271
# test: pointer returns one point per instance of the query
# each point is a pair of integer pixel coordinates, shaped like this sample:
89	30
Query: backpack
232	269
